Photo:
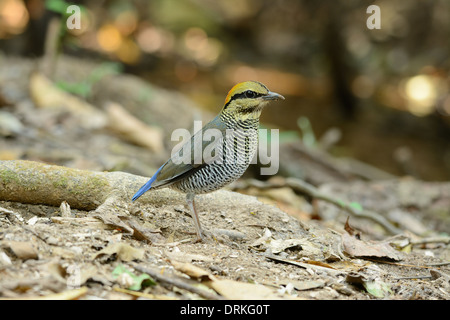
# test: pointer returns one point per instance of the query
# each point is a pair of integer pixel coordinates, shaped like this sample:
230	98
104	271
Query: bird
235	132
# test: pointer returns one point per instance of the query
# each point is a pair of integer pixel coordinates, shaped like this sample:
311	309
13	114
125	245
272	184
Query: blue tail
146	186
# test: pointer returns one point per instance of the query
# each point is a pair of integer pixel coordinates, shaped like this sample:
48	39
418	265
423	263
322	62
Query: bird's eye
250	94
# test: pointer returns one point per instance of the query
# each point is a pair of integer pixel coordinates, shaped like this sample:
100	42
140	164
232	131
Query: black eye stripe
249	94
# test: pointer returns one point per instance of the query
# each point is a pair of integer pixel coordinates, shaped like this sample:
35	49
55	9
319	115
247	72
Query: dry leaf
140	233
191	270
263	239
112	220
350	229
133	129
314	266
65	209
360	248
22	250
4	259
46	95
235	290
123	252
307	248
305	284
187	257
229	289
65	295
375	287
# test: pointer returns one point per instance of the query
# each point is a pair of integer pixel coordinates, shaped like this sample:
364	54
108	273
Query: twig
403	264
438	264
305	265
171	244
300	185
309	189
414	277
51	47
177	283
445	240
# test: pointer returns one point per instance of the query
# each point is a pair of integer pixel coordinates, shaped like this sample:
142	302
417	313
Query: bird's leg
191	203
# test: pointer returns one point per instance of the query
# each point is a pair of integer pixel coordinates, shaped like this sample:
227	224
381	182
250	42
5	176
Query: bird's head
246	99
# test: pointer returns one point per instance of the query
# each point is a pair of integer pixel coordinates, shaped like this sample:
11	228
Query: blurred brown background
379	96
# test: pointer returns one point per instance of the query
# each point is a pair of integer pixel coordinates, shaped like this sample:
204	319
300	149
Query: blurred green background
381	95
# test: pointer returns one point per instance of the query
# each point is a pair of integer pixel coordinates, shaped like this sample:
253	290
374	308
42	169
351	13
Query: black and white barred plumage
231	152
235	151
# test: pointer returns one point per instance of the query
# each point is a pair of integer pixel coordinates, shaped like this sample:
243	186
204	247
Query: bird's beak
273	96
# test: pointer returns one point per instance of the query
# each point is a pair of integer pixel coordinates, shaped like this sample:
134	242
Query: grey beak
273	96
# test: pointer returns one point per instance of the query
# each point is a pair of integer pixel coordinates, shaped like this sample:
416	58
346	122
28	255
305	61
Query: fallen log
38	183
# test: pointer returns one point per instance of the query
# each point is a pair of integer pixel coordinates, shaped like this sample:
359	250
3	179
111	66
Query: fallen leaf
65	209
22	250
78	276
112	220
307	248
188	257
350	229
9	124
131	281
328	269
32	221
235	290
4	259
263	239
56	270
140	233
133	129
306	284
123	252
229	289
360	248
46	95
65	295
191	270
377	288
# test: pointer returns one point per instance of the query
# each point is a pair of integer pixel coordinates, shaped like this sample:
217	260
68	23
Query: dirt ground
47	251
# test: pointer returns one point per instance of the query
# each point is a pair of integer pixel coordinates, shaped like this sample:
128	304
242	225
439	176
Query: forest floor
266	241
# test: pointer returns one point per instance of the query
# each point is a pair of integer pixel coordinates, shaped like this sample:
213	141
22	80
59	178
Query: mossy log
38	183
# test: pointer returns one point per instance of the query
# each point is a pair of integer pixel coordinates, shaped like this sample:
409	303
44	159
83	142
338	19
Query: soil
46	250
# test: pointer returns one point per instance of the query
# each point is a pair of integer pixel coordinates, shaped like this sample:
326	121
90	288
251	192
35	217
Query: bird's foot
203	236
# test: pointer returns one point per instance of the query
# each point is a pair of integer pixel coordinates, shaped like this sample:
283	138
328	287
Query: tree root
310	190
37	183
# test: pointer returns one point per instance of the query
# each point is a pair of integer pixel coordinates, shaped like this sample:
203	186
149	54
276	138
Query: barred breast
234	156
